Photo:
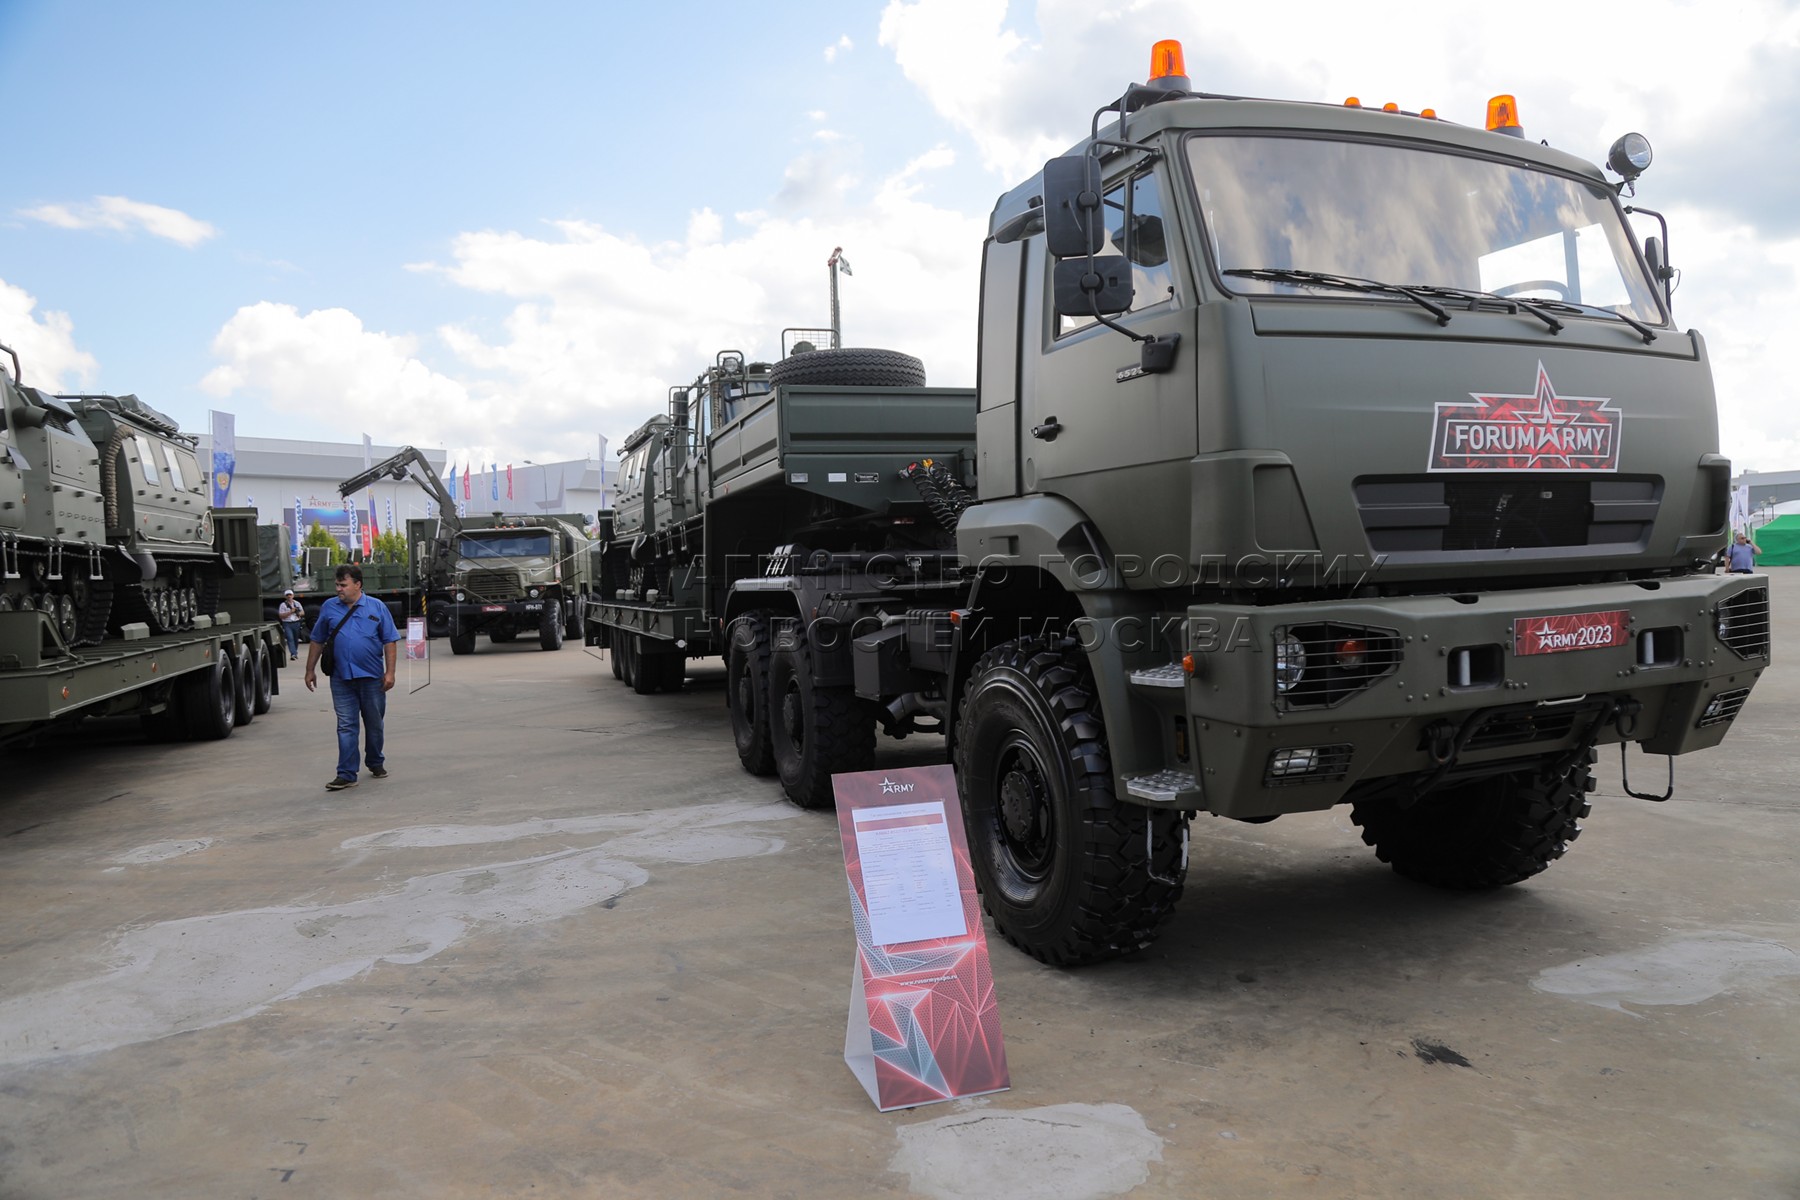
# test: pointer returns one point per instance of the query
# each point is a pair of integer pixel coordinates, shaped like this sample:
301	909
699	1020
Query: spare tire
849	368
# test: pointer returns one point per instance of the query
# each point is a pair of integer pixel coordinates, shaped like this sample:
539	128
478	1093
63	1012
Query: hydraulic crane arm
396	468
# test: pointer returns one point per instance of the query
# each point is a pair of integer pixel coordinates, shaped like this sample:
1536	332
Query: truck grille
494	586
1723	707
1743	622
1504	512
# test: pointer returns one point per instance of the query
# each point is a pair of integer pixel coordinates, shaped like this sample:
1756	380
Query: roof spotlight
1630	155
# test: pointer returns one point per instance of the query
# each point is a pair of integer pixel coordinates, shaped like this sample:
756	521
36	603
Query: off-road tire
671	671
849	368
550	626
815	732
616	653
462	642
575	623
1484	834
243	662
644	670
747	691
263	661
209	700
1069	874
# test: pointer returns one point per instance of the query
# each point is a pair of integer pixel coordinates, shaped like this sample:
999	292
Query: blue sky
503	230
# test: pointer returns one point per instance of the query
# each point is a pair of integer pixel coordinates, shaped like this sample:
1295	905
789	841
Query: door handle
1048	430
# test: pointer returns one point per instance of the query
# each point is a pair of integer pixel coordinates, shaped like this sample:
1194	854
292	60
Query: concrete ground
569	949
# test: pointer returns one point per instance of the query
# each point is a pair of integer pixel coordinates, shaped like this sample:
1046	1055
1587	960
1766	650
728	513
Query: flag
1740	507
465	495
450	484
224	453
390	513
493	481
509	481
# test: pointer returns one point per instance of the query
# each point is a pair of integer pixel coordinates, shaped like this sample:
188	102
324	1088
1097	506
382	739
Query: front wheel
1484	834
815	732
462	641
1069	874
550	628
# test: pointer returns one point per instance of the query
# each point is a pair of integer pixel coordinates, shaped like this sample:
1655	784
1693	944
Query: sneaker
339	784
378	772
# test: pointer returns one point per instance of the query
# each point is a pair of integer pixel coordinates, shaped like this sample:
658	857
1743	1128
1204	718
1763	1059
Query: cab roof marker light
1430	114
1390	106
1168	67
1352	102
1503	116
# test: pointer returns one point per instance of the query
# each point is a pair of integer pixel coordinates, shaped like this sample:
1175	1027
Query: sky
506	230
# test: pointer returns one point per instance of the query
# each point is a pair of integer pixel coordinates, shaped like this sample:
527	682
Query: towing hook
1625	716
1440	741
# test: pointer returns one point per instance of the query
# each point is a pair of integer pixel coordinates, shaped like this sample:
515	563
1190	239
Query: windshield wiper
1346	283
1537	307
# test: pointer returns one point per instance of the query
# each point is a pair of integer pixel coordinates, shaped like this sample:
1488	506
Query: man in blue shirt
364	647
1741	556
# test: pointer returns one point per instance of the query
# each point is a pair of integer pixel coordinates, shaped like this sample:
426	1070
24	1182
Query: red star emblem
1533	431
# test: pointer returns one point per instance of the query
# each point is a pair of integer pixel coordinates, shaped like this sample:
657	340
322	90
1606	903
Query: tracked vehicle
1324	456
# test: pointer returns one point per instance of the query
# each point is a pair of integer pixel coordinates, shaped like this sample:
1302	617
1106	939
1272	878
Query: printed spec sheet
909	873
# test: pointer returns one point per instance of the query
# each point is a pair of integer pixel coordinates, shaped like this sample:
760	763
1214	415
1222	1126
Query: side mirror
1653	254
1073	226
1097	288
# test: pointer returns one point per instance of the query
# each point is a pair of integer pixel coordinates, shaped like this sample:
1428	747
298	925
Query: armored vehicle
103	515
1326	456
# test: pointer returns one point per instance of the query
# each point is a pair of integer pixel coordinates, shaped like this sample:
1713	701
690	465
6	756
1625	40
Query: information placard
924	1024
416	643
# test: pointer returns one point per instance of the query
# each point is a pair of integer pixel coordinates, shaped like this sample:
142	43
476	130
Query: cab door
1093	426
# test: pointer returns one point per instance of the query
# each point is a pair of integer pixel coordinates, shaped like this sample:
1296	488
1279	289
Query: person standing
1741	557
364	649
291	612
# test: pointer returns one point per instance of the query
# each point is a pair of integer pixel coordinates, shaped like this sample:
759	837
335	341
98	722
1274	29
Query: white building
281	476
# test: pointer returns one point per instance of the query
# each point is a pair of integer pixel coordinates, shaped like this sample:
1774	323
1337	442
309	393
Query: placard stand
923	1023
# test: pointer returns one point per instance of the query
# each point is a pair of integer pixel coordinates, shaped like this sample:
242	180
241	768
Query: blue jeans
290	633
352	698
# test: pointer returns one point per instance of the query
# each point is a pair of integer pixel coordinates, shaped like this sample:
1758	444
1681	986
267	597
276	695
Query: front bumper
1456	678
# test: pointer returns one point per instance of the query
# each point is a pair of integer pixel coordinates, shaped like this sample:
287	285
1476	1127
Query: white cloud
121	215
48	356
349	379
842	46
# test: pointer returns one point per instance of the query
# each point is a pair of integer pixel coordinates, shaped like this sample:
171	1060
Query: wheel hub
1025	813
790	718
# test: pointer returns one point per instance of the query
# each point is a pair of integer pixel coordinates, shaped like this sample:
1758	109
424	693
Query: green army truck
1325	456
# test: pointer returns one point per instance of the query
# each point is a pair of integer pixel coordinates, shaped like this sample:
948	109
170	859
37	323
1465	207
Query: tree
316	537
390	547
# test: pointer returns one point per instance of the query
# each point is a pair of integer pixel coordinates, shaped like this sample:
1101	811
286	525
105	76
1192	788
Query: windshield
1405	215
513	545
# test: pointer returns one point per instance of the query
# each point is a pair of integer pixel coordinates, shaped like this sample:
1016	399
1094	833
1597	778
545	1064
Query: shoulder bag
327	659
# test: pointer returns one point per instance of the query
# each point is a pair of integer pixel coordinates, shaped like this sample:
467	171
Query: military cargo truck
1326	456
120	592
501	575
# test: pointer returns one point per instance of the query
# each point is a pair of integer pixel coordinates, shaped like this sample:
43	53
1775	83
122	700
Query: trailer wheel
264	663
850	368
616	652
462	641
209	698
747	691
1069	874
1484	834
550	626
243	665
643	671
815	732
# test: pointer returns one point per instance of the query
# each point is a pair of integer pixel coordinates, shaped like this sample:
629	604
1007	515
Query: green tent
1779	541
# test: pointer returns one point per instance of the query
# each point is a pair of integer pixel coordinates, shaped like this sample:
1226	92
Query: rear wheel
747	691
575	626
550	628
209	699
615	651
243	665
1069	874
263	663
645	670
815	732
1483	834
462	642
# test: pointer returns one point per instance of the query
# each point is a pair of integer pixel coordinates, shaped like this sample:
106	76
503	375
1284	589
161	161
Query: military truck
1326	456
120	591
502	575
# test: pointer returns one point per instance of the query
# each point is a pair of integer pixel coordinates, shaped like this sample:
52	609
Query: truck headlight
1290	663
460	597
533	593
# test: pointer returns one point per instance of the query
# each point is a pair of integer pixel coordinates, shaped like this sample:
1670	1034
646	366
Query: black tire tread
840	731
753	748
1119	906
1487	834
852	367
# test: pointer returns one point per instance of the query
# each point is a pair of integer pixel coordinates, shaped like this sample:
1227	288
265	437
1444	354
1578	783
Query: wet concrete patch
197	972
162	851
1431	1052
1060	1152
1684	970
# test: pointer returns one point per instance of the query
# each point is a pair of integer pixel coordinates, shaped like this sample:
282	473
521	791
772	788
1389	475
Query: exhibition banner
417	647
224	454
924	1024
